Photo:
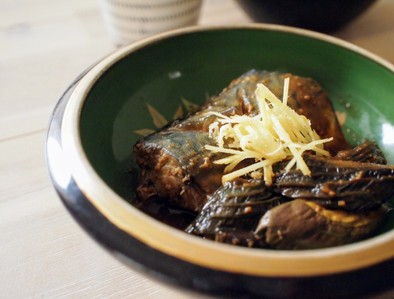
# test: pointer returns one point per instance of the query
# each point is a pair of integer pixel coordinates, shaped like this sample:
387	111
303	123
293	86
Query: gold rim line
193	249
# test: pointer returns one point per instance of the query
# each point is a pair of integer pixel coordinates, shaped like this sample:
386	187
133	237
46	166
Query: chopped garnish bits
276	133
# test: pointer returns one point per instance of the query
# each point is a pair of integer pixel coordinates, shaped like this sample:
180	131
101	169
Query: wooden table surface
44	45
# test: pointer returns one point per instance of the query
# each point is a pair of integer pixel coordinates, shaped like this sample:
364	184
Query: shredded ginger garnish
276	133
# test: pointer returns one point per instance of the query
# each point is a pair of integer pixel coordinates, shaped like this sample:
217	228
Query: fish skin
177	168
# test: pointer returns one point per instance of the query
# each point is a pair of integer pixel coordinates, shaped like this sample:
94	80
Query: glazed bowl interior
189	66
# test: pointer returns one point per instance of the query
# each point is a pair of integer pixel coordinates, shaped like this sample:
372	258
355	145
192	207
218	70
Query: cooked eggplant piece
338	184
365	152
175	166
234	209
301	224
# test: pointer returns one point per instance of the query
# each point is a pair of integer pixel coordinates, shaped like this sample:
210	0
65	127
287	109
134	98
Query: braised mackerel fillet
176	167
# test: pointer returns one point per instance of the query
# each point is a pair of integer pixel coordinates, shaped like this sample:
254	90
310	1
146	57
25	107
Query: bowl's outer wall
161	75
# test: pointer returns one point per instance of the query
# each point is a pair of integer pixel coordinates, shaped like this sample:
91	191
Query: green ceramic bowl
97	121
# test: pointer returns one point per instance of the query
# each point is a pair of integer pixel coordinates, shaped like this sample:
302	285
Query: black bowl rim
193	249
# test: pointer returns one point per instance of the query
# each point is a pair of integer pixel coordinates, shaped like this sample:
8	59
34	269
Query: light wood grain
44	45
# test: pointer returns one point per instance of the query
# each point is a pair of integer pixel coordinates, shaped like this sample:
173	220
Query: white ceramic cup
130	20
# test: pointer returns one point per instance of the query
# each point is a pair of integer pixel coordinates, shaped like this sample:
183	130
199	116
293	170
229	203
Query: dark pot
323	16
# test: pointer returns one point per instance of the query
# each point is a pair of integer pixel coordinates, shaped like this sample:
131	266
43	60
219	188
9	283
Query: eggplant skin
339	184
234	209
300	224
367	151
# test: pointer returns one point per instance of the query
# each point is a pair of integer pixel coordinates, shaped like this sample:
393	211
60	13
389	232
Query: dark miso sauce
162	211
